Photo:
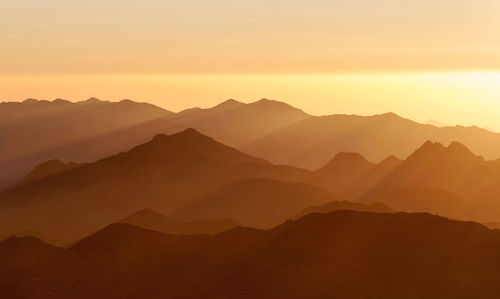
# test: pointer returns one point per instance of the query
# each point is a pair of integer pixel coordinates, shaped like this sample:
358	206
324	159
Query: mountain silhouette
350	175
36	131
450	181
343	254
48	169
166	174
311	142
235	123
152	220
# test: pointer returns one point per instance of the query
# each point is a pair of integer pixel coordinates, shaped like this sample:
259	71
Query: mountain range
37	131
341	254
190	177
165	174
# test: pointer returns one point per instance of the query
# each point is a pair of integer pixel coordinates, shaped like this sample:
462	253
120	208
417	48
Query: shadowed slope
32	131
342	254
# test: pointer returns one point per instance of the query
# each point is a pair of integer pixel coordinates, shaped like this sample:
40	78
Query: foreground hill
152	220
341	254
37	131
310	143
165	174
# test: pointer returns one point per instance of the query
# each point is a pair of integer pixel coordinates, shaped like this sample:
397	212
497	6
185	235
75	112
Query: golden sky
419	58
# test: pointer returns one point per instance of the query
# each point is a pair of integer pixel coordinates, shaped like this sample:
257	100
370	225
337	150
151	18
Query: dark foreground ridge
342	254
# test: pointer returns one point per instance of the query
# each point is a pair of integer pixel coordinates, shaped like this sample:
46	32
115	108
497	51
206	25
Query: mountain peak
391	160
230	103
91	100
458	150
428	148
30	100
47	169
61	101
388	115
344	160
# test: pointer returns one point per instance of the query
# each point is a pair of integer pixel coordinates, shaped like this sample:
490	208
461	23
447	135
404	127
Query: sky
422	59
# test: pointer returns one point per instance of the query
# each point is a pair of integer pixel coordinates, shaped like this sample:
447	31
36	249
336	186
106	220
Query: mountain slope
165	174
342	254
35	131
261	203
48	169
311	142
350	175
235	123
451	181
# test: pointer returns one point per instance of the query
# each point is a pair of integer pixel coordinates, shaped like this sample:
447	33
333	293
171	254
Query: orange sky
419	58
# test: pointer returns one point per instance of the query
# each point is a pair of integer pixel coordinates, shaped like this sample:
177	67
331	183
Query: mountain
450	181
36	131
152	220
165	174
350	175
93	129
258	202
338	205
311	142
235	123
48	169
343	254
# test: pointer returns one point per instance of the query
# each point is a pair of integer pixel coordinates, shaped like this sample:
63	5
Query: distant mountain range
312	141
34	131
342	254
